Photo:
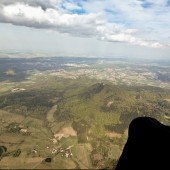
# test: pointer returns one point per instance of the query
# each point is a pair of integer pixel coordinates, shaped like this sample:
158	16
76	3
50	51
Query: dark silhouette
147	147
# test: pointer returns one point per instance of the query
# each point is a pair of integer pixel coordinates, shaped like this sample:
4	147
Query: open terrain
74	114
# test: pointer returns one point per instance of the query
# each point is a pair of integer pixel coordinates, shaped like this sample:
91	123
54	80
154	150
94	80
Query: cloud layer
134	22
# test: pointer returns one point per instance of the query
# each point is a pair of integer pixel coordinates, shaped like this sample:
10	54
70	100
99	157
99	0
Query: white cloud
49	15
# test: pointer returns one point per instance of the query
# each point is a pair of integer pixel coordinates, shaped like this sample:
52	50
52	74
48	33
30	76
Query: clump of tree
92	90
118	128
125	119
100	155
3	150
13	127
63	113
81	127
16	153
163	104
34	102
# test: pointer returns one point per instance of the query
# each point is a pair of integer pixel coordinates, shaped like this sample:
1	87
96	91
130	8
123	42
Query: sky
101	28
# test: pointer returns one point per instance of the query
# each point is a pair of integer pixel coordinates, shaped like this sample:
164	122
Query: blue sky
137	28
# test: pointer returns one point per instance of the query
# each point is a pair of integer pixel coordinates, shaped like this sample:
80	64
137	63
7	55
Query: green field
89	116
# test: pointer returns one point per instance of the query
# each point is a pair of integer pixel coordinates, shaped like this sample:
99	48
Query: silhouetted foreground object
147	147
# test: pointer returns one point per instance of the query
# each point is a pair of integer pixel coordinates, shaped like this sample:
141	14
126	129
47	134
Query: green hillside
90	118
